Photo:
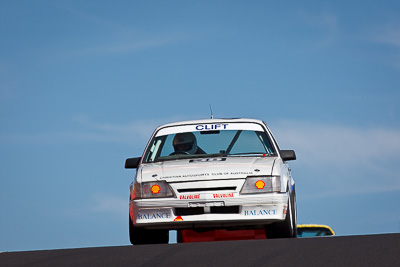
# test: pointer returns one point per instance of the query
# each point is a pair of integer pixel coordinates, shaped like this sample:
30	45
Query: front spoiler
252	210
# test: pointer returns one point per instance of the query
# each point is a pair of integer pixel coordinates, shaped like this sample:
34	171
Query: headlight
152	189
264	184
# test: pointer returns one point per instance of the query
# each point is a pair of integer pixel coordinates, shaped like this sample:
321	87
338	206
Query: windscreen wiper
248	153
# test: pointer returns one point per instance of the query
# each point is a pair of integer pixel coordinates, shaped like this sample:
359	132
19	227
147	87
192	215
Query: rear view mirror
209	132
132	163
288	155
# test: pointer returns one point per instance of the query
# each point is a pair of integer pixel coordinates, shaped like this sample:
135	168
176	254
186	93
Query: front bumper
209	210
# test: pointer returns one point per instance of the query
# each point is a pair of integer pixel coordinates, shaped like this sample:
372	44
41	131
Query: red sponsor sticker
227	195
177	219
196	196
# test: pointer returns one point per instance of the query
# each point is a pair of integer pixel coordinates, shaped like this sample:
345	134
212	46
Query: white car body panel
206	168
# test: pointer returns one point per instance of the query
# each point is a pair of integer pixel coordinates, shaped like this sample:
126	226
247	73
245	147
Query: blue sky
84	83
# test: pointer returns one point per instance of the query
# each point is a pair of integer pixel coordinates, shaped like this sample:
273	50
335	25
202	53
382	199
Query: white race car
209	174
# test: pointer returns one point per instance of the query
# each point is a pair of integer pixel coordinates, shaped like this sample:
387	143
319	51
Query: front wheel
287	228
140	236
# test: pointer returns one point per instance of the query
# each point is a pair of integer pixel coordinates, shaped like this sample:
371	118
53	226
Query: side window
168	147
153	153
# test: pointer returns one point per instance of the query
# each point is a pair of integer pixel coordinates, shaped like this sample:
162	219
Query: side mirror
132	163
288	155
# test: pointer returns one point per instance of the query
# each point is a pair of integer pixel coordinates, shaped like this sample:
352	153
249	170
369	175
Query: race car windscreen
214	143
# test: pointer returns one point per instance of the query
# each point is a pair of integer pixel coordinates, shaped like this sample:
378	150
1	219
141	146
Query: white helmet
185	142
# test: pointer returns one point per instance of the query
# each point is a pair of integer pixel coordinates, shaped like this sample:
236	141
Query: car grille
189	211
225	209
200	210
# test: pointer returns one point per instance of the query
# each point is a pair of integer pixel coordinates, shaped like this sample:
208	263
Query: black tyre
287	228
179	238
294	205
140	236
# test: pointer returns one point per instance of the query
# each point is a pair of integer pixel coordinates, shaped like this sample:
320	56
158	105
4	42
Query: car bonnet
207	169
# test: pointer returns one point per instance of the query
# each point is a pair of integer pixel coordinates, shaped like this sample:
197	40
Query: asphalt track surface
366	250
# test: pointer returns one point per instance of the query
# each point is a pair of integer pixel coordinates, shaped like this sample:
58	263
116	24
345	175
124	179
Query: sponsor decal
172	176
196	175
261	212
178	219
154	216
241	173
186	175
260	184
196	196
211	127
223	195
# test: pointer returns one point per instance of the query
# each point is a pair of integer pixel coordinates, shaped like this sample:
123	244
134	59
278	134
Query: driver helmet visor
183	147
